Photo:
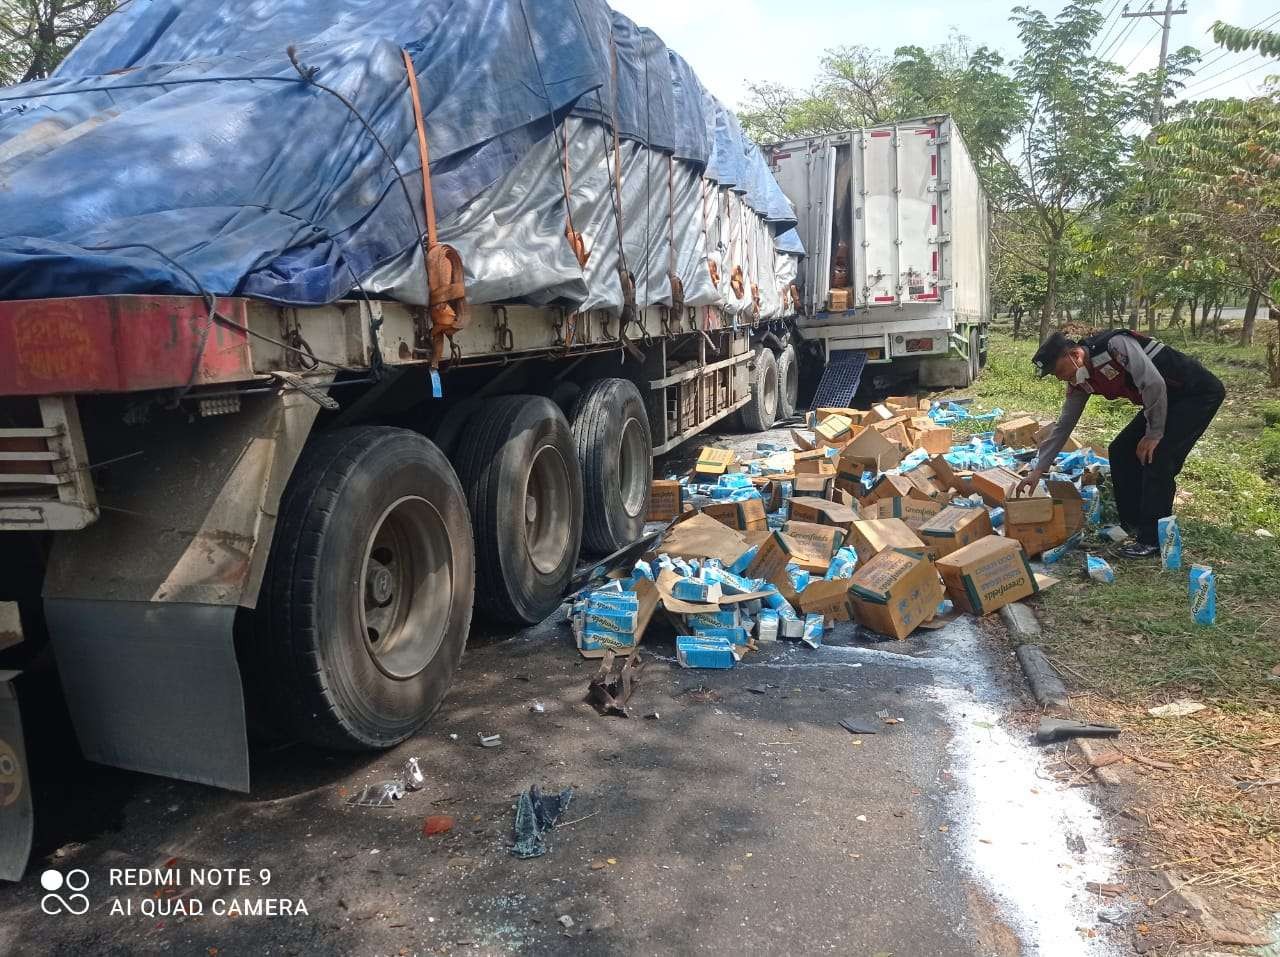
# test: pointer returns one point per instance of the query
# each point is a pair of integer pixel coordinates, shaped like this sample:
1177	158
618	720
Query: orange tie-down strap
737	282
444	265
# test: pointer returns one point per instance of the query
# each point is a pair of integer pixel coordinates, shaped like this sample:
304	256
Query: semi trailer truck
323	332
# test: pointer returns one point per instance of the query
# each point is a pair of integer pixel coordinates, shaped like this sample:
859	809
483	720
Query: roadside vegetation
1131	645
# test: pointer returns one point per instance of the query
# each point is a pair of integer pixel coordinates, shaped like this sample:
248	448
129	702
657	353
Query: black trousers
1144	493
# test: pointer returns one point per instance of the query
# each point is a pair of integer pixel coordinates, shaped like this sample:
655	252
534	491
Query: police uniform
1179	398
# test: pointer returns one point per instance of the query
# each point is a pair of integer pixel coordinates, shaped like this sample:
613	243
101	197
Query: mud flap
153	686
16	818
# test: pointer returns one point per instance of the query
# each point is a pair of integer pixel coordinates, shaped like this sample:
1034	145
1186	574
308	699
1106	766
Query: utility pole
1140	299
1168	13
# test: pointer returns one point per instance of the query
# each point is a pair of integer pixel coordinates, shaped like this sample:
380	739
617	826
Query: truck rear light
919	345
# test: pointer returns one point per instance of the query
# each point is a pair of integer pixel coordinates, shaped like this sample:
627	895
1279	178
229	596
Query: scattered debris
565	921
490	740
1176	709
412	775
1117	914
609	693
757	689
538	708
382	794
437	824
854	726
653	716
1060	729
536	814
1105	890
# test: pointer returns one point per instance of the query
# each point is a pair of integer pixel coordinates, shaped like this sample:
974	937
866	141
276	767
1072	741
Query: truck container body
321	330
895	225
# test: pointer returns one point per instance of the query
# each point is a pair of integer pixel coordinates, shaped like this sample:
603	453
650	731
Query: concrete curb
1046	685
1021	622
1089	752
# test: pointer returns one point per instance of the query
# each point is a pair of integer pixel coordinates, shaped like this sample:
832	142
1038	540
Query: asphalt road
741	819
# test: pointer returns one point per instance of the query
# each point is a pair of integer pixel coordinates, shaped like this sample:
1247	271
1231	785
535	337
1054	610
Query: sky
733	43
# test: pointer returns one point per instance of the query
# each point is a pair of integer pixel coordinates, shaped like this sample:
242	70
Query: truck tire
366	602
452	425
788	382
762	411
611	433
523	484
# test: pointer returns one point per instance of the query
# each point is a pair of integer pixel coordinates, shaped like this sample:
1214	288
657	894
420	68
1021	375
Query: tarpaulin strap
677	285
626	280
737	282
576	242
446	290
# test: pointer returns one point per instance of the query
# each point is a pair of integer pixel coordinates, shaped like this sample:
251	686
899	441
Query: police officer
1178	396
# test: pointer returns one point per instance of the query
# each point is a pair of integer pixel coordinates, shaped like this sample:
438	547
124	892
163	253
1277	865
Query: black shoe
1137	549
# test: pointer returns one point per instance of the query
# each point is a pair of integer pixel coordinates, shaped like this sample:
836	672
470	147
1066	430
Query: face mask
1082	375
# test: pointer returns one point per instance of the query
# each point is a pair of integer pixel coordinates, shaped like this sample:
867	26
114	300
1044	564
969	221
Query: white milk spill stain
1032	842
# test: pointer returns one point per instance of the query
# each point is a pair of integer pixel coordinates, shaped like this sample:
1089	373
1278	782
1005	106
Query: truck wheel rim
406	588
791	383
631	461
546	510
769	401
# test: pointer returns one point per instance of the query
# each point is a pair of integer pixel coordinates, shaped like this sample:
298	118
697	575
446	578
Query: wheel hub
530	509
380	582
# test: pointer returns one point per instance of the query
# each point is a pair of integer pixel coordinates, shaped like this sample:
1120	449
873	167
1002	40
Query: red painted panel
118	344
883	299
880	134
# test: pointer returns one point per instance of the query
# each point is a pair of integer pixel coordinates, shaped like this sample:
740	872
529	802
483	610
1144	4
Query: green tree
36	34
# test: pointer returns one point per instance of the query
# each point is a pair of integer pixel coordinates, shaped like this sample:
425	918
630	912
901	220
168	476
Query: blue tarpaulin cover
182	126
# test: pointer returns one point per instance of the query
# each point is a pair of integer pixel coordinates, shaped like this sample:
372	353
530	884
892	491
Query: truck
284	404
895	224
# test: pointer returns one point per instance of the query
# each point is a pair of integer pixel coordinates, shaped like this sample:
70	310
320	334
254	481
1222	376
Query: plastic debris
854	726
1057	729
536	814
490	740
382	794
565	921
1099	569
412	776
1202	590
1176	709
538	708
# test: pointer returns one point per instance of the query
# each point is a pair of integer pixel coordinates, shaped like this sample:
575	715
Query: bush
1269	444
1270	412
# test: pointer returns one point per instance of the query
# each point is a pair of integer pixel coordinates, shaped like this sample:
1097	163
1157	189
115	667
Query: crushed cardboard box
984	575
745	516
870	537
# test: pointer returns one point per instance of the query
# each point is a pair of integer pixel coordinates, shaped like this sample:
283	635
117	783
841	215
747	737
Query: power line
1264	22
1115	44
1143	49
1266	65
1226	69
1102	39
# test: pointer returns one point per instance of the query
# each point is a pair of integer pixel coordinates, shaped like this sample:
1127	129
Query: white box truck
895	225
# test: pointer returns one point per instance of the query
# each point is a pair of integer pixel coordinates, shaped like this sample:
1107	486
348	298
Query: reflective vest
1109	379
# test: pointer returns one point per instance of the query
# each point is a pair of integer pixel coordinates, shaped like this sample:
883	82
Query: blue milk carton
1202	589
1170	543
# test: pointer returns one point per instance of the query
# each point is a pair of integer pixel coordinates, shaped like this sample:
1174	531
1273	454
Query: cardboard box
821	511
897	434
701	536
835	429
838	300
922	487
830	599
819	540
944	473
903	403
1029	510
953	528
745	516
889	486
1019	433
870	537
779	549
664	500
995	485
870	450
895	592
1037	535
987	574
1068	496
819	486
881	412
933	438
815	462
803	439
913	511
713	461
821	415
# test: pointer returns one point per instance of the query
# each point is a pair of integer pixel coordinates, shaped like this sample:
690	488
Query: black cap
1050	352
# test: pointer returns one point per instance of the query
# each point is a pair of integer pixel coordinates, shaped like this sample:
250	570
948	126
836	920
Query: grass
1132	644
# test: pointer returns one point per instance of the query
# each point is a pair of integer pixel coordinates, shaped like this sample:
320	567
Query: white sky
732	43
